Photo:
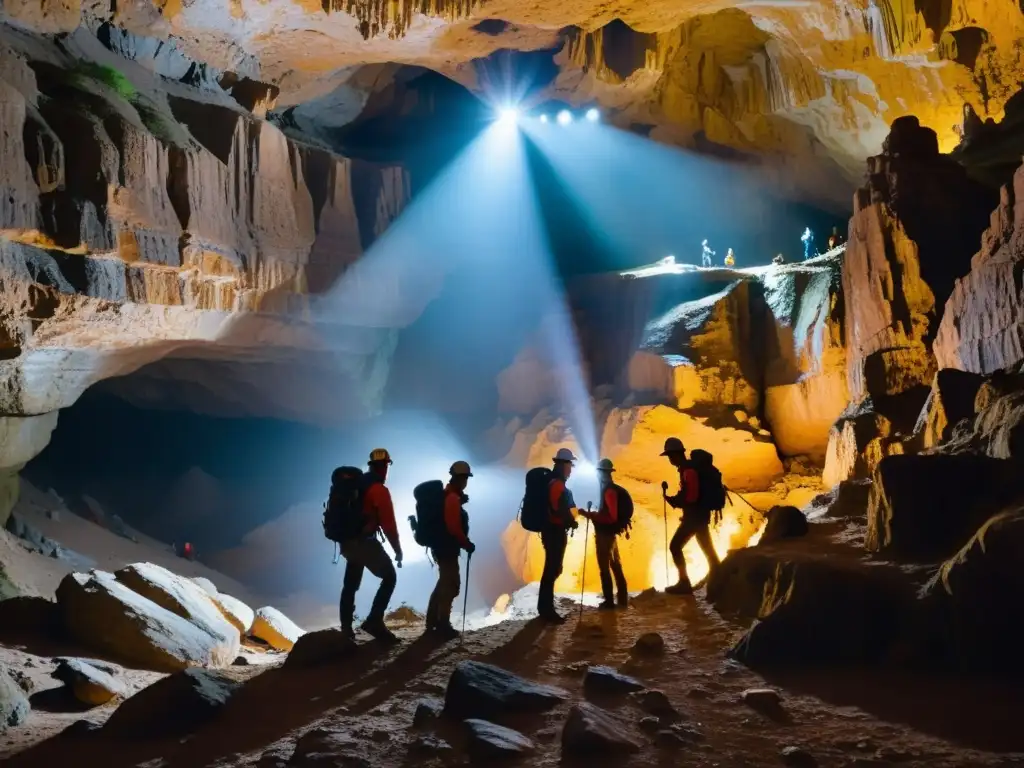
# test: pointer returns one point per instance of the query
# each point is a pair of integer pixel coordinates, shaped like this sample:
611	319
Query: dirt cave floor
359	709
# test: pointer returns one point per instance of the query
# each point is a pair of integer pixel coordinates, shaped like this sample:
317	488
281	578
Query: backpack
343	510
711	496
625	510
533	514
428	524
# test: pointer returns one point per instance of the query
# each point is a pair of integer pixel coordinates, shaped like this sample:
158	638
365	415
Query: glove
471	548
575	524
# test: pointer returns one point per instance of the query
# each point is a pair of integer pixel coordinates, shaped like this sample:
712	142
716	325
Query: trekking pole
664	517
583	577
465	599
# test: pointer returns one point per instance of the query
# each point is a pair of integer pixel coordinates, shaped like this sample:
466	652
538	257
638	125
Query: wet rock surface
590	730
487	740
477	689
607	680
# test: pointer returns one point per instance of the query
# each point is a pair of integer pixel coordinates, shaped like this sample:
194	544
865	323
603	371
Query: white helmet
564	454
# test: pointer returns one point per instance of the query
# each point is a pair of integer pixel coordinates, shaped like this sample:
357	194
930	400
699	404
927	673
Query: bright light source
508	115
593	115
543	118
585	468
564	117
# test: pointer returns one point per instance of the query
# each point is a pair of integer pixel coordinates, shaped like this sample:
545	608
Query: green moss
109	76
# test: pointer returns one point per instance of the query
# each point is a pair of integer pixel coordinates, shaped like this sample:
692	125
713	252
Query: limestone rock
173	706
103	614
275	629
427	710
607	680
656	703
649	644
91	682
490	741
764	700
950	400
320	647
179	595
235	611
483	690
14	706
849	499
206	585
924	508
320	746
590	730
982	328
783	522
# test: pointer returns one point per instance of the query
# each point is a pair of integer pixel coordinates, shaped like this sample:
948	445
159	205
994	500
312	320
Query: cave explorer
835	239
562	514
446	553
778	260
607	528
696	520
730	258
366	552
807	238
706	254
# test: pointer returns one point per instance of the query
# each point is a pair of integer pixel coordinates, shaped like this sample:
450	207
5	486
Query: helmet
605	465
673	445
460	468
564	454
378	455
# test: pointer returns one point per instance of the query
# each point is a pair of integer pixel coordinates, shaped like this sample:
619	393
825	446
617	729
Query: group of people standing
706	256
359	515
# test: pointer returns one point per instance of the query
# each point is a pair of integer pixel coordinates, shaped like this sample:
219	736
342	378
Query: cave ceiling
807	88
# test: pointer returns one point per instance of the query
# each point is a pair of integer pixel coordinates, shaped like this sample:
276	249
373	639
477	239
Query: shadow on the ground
985	715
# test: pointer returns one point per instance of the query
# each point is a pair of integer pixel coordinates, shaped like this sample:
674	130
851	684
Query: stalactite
394	17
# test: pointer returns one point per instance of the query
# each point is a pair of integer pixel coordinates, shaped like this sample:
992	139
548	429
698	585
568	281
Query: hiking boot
679	588
607	605
376	629
446	631
551	616
624	600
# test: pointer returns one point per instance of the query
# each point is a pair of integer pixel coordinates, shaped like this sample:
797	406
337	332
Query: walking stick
664	517
465	598
583	578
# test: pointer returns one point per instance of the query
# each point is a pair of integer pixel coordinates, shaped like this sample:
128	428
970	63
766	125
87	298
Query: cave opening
625	49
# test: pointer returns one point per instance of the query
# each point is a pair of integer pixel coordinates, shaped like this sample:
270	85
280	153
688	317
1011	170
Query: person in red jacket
555	537
606	544
366	552
446	554
696	521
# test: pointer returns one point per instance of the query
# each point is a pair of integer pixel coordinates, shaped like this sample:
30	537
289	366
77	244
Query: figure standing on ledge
730	258
706	254
835	239
807	238
778	259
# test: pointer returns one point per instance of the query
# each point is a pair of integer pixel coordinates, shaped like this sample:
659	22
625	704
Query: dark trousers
449	582
688	529
554	541
609	565
366	553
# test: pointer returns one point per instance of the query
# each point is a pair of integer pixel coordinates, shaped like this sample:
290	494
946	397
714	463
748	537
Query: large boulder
982	328
783	522
235	611
178	595
476	689
173	706
321	647
105	615
91	682
924	508
14	706
812	607
274	628
592	731
950	400
974	601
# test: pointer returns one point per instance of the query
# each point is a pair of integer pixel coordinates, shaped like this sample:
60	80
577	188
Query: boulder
592	731
274	628
607	680
649	644
320	647
14	706
656	703
924	508
235	611
849	499
178	595
489	741
321	746
811	607
91	682
173	706
783	522
206	585
764	700
427	711
950	400
974	601
476	689
103	614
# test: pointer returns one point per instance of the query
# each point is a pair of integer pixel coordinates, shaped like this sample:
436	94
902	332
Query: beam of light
593	115
508	116
564	117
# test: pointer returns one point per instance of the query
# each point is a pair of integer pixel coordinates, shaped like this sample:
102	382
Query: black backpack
533	514
343	510
428	524
625	513
711	496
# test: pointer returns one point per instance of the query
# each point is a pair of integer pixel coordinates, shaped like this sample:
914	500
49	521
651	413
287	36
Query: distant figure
706	254
187	551
807	238
835	239
730	258
778	260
